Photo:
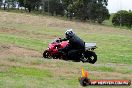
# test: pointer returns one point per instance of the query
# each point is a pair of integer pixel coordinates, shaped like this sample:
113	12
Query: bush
122	18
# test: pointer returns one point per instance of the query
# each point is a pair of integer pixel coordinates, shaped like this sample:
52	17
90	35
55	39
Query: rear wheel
46	54
91	57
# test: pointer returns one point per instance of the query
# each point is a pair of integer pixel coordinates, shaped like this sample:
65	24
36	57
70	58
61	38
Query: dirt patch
3	68
12	31
18	51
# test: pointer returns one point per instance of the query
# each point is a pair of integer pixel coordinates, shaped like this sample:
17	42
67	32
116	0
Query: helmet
69	33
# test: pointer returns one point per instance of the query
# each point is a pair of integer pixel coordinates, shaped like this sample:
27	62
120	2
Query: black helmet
69	33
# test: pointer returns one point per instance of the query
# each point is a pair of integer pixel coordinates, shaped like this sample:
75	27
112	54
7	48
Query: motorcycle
87	55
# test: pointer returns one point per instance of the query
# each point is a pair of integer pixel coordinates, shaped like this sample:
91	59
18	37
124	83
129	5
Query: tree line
84	10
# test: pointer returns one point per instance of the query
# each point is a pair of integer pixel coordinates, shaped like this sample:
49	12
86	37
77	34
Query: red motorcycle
52	51
87	55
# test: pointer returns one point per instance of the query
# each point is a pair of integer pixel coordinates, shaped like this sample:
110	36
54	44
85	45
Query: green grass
29	75
27	42
19	71
33	72
20	77
106	45
112	48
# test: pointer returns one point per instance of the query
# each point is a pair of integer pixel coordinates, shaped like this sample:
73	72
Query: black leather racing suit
75	43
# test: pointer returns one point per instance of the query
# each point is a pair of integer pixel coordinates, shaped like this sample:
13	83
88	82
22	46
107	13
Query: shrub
122	18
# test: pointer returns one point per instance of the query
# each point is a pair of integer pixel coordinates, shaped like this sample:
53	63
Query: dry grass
49	21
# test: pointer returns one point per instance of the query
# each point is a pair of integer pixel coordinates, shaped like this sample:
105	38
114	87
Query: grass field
24	37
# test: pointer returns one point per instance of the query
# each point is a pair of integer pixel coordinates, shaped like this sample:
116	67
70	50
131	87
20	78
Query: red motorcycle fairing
53	47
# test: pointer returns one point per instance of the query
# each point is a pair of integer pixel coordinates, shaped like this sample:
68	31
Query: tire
56	57
91	57
46	54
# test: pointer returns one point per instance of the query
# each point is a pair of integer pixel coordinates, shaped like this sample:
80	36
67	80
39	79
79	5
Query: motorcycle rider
75	43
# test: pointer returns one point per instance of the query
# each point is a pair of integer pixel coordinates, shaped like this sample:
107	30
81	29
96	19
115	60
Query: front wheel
91	57
46	54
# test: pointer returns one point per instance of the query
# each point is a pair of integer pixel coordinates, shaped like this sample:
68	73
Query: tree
1	2
21	3
93	10
56	7
67	4
30	4
102	13
122	18
5	2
